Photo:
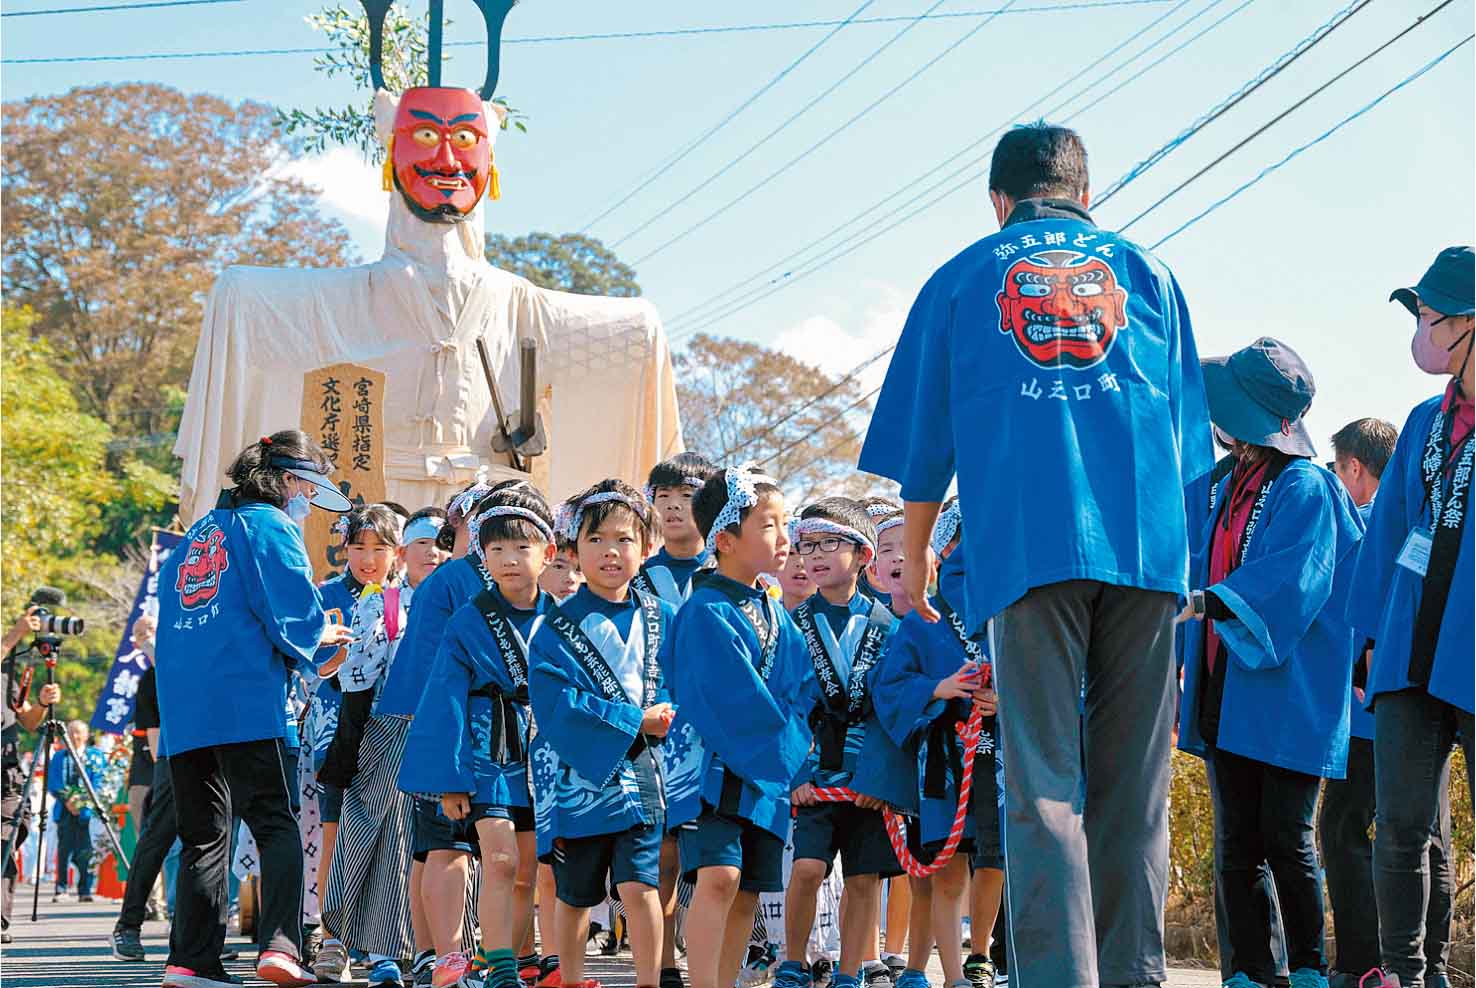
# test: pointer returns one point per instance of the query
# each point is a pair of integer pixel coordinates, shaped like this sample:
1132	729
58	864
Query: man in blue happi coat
1052	367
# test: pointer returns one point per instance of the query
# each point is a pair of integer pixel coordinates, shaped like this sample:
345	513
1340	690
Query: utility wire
1282	115
1229	103
778	283
745	104
832	134
821	427
555	38
1316	140
103	8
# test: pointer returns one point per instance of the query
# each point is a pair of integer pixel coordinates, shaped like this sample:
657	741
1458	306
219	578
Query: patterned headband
464	501
574	514
824	526
692	482
742	494
946	527
880	509
888	525
505	511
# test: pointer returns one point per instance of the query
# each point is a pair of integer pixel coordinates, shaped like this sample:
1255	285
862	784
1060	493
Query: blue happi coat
1360	719
668	577
451	745
584	783
237	610
1386	596
918	656
439	595
340	598
731	717
840	632
1060	356
1289	667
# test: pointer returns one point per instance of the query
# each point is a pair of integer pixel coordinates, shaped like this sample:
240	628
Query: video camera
51	624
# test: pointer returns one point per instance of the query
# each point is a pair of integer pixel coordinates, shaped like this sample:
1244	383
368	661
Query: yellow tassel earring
387	178
494	181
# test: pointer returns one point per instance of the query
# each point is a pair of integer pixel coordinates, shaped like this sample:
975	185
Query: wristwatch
1196	604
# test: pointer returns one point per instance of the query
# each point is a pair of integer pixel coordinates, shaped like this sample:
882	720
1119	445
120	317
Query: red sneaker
450	969
283	970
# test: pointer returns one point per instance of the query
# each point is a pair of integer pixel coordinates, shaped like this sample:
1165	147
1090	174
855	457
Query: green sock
502	968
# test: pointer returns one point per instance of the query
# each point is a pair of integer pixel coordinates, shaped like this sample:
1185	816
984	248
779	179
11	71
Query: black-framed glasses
827	544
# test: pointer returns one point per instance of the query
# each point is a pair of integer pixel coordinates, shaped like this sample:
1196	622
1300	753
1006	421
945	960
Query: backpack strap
392	612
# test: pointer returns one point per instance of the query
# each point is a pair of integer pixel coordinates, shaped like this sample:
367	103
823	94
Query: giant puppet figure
417	313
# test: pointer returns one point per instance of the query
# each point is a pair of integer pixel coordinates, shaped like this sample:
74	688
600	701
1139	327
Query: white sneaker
332	963
1001	981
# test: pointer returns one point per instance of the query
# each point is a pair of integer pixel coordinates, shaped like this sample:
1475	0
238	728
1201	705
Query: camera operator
19	712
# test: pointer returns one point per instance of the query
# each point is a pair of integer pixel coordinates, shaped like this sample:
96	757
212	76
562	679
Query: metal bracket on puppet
528	438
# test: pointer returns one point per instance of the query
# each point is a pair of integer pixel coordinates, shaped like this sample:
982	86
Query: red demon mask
199	575
1063	308
442	152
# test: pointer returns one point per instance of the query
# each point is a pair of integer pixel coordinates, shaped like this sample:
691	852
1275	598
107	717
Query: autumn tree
121	205
742	401
568	263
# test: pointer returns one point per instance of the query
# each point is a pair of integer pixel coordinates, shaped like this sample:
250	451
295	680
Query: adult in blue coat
238	610
1412	597
1266	677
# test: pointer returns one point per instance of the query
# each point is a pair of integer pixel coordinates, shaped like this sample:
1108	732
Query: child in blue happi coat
601	704
739	670
924	686
845	632
794	583
874	583
561	577
1267	673
468	743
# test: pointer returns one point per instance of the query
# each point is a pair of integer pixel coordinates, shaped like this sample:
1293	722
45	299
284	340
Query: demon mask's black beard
446	213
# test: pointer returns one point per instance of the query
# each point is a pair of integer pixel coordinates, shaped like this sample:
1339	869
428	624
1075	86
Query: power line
870	57
702	138
1281	116
559	38
1316	140
1229	103
821	427
820	260
111	7
834	132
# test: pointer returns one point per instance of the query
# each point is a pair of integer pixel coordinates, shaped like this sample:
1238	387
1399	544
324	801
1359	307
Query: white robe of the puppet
415	314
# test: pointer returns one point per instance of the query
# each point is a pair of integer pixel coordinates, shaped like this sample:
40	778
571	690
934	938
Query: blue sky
1308	255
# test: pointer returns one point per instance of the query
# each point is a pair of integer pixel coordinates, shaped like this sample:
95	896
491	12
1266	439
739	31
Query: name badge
1415	556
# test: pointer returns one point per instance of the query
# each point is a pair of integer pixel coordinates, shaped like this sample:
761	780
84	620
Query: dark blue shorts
718	840
858	836
521	816
984	804
586	869
330	802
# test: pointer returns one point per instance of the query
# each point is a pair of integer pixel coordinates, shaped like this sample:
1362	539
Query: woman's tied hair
589	509
726	499
255	479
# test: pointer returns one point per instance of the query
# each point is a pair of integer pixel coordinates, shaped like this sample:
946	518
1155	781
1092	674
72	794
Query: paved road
68	948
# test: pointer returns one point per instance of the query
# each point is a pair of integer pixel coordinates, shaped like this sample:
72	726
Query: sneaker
916	979
1308	977
792	974
61	897
450	969
1241	980
549	975
822	972
757	967
385	974
183	977
671	977
876	974
896	962
156	913
127	946
85	898
332	963
1376	978
424	961
1002	979
979	970
283	970
229	953
5	937
529	970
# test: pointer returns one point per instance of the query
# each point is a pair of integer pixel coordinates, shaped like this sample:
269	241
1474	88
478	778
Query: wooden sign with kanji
343	410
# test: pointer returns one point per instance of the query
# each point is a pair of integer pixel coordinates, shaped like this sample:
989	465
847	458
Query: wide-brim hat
1448	285
326	494
1259	395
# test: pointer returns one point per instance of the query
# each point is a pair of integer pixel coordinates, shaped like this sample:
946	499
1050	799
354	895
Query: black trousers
1264	816
248	779
73	846
155	838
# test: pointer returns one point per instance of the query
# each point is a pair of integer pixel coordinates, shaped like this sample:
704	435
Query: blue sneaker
912	979
1241	980
385	974
792	974
1308	977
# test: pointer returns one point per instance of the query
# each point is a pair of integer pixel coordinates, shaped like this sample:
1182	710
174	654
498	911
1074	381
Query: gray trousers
1086	786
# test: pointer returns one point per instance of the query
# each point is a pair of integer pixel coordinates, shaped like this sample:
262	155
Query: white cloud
350	190
837	345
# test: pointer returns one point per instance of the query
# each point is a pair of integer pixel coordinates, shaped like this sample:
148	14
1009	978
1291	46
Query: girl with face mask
238	611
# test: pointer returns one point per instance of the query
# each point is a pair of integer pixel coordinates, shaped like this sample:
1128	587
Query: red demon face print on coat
442	152
199	573
1062	307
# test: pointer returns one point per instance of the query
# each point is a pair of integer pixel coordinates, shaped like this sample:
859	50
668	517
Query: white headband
424	527
888	525
464	501
742	483
692	482
505	511
824	526
574	514
946	527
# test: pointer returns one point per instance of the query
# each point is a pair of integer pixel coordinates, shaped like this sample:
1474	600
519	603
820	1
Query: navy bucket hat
1259	394
1448	287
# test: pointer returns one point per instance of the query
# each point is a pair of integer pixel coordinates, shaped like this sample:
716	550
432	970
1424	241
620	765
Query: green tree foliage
121	205
570	263
403	64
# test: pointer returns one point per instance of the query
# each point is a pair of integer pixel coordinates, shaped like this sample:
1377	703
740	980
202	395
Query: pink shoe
184	977
283	970
1385	980
450	969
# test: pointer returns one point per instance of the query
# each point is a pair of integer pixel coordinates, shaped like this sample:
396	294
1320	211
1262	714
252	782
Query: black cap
1259	394
1448	287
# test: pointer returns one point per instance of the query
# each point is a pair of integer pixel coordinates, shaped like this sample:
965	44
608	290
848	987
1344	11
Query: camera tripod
49	646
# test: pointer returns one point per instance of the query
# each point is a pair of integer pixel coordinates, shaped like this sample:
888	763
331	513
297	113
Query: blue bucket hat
1259	394
1448	287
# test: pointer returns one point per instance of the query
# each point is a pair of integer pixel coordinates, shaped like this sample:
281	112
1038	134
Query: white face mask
298	507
